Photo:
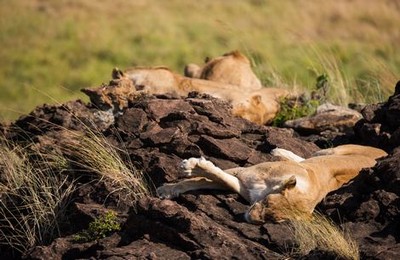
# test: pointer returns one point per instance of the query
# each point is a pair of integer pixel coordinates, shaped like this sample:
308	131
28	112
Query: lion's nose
249	214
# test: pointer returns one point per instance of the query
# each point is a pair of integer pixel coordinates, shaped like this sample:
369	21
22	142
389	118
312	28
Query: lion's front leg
200	167
173	190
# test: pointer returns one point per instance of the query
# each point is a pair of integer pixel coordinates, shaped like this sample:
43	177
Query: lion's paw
188	165
195	166
168	191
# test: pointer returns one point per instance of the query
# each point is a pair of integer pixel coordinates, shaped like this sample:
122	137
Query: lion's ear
289	183
256	99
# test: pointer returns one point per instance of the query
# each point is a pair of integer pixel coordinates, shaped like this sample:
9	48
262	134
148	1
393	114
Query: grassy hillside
51	49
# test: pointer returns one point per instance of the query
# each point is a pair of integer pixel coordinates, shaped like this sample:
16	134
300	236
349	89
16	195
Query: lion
232	68
277	189
259	106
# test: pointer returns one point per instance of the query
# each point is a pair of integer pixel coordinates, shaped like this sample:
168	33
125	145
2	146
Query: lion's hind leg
286	154
172	190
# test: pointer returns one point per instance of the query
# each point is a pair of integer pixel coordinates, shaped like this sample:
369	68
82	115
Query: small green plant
292	109
99	228
300	107
323	84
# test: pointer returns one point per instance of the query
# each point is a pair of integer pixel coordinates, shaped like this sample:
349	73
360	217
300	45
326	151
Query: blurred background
52	49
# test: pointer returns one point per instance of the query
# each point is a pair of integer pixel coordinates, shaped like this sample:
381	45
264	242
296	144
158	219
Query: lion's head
259	109
252	109
282	204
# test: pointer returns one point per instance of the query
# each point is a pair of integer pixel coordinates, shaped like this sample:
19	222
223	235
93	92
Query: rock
156	133
327	117
142	249
201	234
380	126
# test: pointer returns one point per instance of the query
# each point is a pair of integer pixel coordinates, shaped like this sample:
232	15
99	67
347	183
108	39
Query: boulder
327	117
380	125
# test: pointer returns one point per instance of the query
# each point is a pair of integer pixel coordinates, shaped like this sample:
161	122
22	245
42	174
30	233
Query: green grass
292	109
54	48
99	228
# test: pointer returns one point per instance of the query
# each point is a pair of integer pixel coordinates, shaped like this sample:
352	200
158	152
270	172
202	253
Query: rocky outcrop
381	124
157	132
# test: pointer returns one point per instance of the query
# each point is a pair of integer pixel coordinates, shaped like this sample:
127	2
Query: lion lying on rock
275	189
239	86
259	106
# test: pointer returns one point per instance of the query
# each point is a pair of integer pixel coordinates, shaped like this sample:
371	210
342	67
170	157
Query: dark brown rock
142	249
231	149
381	123
201	234
157	132
133	121
327	117
157	109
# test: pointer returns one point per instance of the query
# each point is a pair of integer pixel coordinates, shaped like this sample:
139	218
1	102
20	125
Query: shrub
291	109
99	228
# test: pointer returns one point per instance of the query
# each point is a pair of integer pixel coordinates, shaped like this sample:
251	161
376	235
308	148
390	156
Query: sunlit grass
318	232
37	184
62	46
34	196
103	161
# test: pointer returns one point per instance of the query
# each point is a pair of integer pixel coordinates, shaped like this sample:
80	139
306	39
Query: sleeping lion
228	77
259	106
277	189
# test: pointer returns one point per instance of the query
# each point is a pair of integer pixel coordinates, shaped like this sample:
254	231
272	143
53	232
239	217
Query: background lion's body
231	68
259	106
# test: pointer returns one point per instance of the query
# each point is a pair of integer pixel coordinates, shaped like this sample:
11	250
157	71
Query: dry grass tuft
33	197
319	232
94	154
35	193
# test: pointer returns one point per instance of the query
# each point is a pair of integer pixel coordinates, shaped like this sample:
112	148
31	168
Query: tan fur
259	106
277	188
231	68
113	96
